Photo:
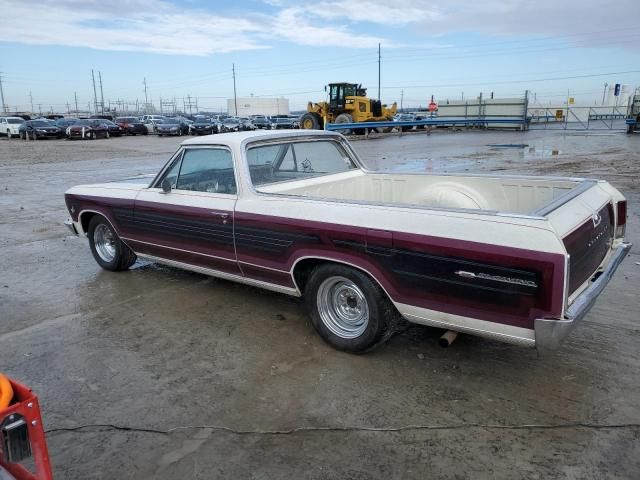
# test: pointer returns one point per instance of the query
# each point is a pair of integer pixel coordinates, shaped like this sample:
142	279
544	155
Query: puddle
530	153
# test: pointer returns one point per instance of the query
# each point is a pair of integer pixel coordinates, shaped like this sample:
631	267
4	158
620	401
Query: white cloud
159	26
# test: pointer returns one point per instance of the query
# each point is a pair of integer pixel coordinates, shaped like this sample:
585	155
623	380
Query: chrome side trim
263	267
561	200
496	331
550	333
226	276
179	249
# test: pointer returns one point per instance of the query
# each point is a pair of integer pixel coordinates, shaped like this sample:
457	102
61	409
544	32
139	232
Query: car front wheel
349	309
108	250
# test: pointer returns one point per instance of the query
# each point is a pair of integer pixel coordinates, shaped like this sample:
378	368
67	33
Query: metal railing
577	118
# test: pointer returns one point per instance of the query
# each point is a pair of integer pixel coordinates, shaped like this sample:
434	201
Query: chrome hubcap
343	307
105	242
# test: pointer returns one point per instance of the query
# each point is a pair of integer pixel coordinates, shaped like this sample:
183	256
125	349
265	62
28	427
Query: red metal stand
25	403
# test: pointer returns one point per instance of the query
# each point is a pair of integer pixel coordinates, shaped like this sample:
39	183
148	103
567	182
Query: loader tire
311	121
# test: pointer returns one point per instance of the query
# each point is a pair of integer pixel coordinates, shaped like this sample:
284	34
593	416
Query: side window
288	163
322	157
172	173
207	170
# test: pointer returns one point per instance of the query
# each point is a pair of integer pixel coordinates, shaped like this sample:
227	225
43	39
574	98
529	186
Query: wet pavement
161	373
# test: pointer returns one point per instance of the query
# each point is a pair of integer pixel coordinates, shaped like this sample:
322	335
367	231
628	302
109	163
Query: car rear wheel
349	309
107	248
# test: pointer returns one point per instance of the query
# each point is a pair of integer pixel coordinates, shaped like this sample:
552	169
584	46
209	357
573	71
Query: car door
191	220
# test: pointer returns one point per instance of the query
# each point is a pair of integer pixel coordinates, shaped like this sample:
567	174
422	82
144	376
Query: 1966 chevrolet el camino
513	258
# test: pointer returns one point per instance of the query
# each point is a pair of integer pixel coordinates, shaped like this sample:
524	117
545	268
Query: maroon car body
87	130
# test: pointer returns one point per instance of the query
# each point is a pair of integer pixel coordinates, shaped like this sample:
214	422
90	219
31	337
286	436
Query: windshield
126	119
169	121
297	160
15	121
40	123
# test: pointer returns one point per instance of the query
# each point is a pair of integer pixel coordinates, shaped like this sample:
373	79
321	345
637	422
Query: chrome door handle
222	215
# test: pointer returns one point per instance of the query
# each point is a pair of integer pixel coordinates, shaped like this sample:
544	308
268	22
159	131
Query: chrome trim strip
482	328
226	276
550	333
233	260
561	200
263	267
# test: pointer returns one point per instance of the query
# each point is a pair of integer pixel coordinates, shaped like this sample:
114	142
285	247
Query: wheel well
85	219
302	271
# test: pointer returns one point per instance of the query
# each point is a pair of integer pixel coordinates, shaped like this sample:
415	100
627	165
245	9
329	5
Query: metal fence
577	118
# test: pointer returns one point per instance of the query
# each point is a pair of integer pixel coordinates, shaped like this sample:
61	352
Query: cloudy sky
293	48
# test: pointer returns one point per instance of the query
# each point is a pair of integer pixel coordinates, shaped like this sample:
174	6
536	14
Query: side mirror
166	186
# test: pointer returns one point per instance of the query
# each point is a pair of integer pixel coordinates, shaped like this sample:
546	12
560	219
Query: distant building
258	106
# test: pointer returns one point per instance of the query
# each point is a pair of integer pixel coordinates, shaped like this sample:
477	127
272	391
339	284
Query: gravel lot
160	373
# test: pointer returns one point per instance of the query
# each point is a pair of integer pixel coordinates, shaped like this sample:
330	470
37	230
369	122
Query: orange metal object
6	392
25	403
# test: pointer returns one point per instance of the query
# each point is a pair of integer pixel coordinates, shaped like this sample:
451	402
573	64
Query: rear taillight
621	216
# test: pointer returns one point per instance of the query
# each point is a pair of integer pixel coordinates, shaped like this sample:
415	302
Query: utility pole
146	100
235	96
379	70
604	92
4	107
40	109
68	108
75	96
31	100
101	93
401	100
95	95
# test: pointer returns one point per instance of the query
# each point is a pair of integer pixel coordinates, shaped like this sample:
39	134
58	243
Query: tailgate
586	226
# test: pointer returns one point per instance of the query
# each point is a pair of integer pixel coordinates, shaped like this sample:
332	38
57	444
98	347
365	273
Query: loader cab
338	92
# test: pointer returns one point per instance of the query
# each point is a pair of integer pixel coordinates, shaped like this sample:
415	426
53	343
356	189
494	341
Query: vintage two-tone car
513	258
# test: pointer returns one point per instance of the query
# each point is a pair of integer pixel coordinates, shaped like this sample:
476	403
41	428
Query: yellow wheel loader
348	103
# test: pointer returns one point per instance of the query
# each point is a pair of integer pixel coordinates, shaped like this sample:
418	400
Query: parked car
151	124
37	129
260	121
115	130
131	125
87	130
246	124
229	124
171	126
404	117
151	117
282	122
203	126
299	213
64	123
10	126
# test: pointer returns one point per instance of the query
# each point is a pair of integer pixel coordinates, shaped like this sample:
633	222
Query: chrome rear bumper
550	333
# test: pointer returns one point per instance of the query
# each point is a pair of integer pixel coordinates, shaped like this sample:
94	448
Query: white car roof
13	118
235	139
